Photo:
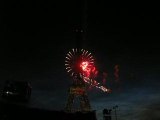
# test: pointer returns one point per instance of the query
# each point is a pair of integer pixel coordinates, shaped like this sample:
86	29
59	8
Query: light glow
96	84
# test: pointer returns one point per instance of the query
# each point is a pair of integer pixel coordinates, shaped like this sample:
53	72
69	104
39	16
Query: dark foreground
10	111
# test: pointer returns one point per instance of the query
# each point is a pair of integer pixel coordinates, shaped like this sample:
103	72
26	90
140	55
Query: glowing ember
84	65
85	68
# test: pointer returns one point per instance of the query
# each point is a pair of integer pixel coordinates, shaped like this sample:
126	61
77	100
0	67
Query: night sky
36	35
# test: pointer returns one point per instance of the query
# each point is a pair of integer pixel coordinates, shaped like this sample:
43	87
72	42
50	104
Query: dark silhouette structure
115	108
16	90
107	114
10	111
78	90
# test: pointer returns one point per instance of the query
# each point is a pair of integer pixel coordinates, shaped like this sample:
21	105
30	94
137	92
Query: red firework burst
79	62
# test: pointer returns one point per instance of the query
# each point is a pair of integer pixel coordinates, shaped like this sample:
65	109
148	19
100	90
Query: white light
69	70
67	58
69	55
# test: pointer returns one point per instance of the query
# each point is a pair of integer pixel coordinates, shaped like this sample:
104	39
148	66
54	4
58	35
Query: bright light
84	65
94	83
85	68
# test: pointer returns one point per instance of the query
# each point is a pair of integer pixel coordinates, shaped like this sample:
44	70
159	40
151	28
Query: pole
115	114
115	111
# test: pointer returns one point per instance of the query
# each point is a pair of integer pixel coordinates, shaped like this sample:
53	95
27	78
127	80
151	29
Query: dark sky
36	35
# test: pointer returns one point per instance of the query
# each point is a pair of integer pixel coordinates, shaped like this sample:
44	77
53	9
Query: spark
73	51
69	70
67	58
83	52
69	55
88	54
94	83
67	67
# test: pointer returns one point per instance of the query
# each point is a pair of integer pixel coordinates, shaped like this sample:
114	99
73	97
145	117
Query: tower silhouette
77	90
